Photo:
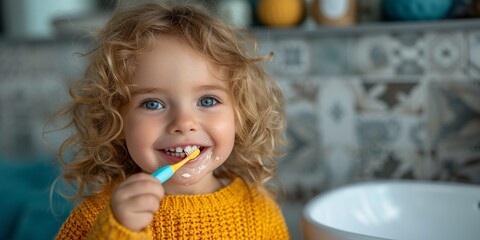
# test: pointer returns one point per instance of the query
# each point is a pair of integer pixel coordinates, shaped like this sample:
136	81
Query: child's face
177	101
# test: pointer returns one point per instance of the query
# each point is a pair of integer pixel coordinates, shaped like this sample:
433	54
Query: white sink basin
404	210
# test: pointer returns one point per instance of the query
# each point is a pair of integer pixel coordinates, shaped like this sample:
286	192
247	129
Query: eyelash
217	101
144	103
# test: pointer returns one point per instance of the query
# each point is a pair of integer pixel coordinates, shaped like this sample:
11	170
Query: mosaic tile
265	46
448	55
408	98
372	55
368	98
322	139
453	110
459	166
337	115
304	152
292	57
387	55
454	129
409	54
392	146
330	56
401	98
474	56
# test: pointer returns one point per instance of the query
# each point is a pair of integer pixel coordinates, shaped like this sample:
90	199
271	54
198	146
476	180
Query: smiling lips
179	152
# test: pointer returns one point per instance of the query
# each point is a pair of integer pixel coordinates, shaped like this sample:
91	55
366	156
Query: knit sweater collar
230	194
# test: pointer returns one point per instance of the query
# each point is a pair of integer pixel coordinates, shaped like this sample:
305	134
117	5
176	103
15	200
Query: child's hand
135	201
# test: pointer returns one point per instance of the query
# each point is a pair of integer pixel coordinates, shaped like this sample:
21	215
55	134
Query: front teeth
178	151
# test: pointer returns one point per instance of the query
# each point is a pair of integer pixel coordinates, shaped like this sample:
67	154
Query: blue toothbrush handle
163	173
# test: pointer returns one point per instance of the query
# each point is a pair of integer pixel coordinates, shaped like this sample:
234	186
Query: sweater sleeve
76	226
276	225
107	227
279	227
94	220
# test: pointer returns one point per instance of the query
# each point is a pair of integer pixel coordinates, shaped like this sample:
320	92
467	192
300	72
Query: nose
182	122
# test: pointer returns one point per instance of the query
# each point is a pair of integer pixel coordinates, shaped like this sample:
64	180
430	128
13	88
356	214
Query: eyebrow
212	87
147	90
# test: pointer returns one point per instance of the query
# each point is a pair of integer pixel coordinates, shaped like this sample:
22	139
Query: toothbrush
166	172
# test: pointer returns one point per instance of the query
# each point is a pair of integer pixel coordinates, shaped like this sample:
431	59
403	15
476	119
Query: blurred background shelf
373	28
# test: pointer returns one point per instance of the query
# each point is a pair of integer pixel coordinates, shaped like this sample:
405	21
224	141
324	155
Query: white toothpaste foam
186	175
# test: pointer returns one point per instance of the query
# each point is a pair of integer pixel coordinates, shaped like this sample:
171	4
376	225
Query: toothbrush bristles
189	150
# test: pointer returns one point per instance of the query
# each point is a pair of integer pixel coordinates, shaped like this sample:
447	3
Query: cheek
138	135
224	137
224	132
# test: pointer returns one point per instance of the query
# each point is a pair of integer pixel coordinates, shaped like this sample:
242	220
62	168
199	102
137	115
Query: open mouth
180	152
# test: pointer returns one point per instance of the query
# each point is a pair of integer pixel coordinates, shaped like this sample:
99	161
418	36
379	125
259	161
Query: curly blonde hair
100	157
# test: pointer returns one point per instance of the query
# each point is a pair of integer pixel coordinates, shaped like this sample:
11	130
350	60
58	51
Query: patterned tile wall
387	105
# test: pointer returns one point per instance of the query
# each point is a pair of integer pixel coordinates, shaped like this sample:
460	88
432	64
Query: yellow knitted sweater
234	212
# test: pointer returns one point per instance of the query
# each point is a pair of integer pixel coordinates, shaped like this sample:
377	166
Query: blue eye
208	102
153	105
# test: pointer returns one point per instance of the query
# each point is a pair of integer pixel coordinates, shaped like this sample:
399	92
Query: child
162	79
